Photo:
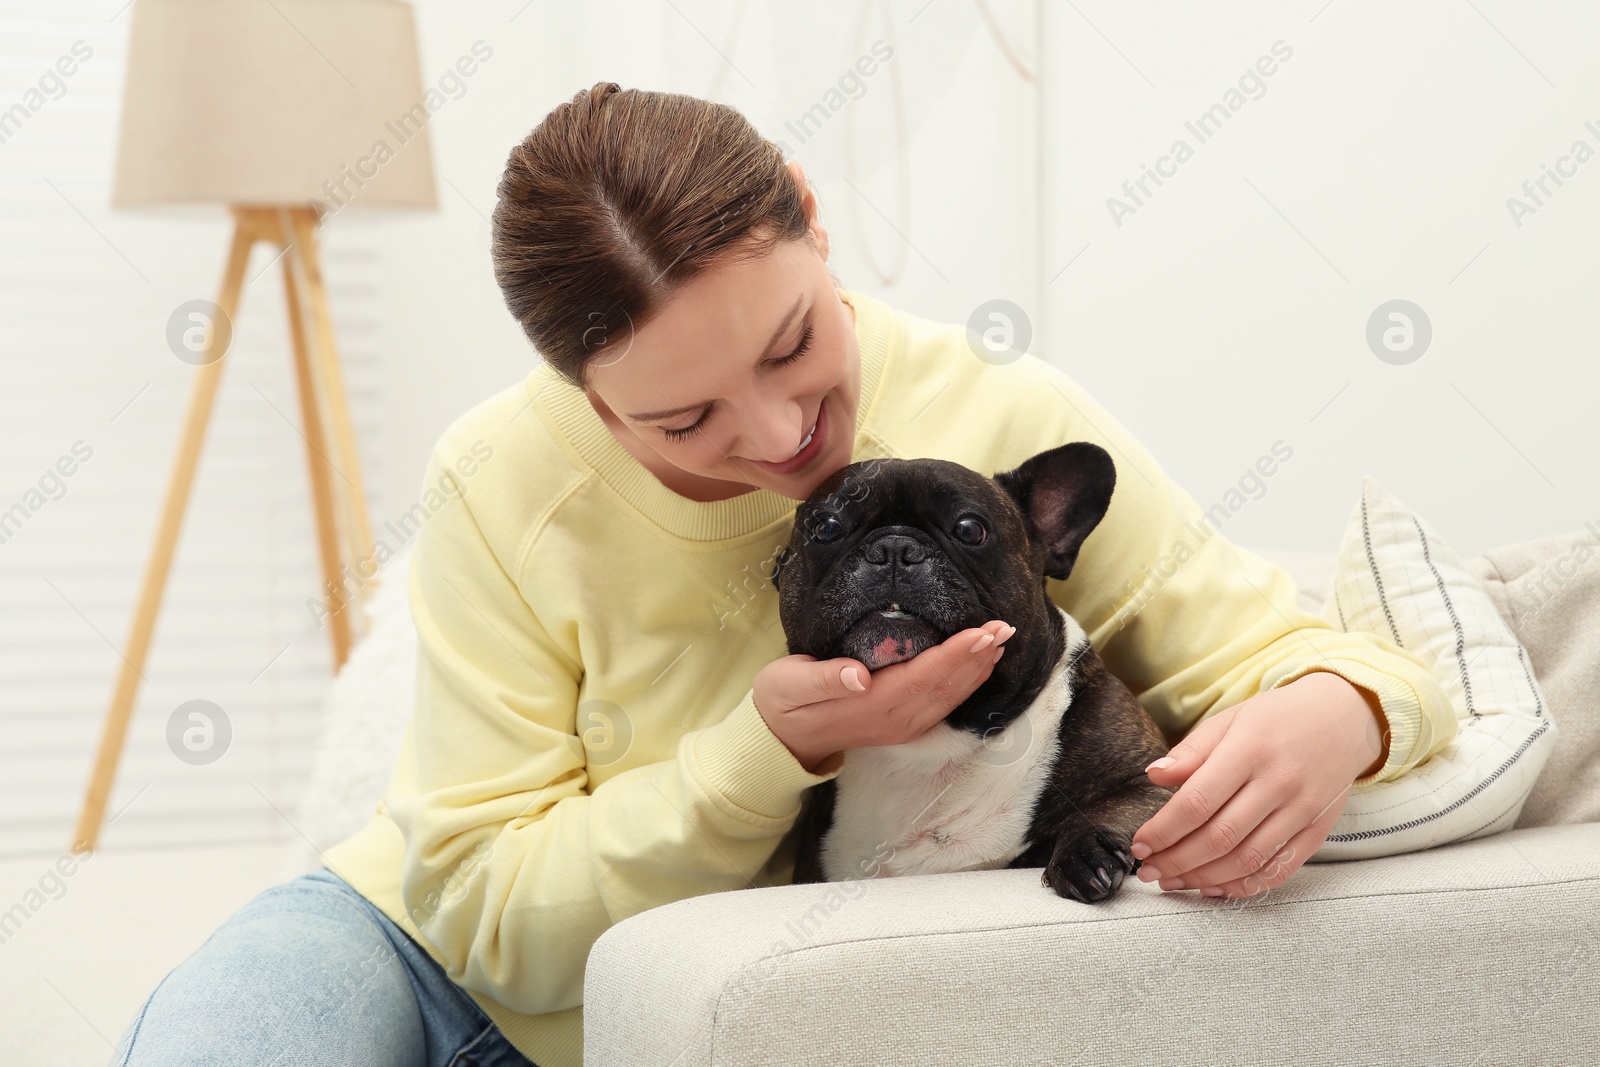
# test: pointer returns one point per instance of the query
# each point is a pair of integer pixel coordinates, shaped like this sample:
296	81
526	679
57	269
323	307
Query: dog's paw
1090	867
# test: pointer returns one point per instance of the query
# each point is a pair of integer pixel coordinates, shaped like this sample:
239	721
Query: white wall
86	293
1231	308
1224	314
1227	313
966	116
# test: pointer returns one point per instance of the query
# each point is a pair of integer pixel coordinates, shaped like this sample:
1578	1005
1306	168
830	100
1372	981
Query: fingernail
1161	764
982	642
1176	883
852	679
1211	891
998	654
1141	850
1149	874
1006	633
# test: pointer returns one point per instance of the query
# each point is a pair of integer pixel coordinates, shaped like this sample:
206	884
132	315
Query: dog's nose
895	550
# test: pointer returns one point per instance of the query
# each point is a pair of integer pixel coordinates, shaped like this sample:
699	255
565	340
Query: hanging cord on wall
1005	45
901	135
902	155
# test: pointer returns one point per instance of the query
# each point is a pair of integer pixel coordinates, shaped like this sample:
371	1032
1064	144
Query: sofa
1473	952
1478	952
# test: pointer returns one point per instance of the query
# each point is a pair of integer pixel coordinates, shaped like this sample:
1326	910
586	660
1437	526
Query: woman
605	719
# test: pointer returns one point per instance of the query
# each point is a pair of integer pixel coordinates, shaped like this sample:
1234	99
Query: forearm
540	874
1192	622
1360	706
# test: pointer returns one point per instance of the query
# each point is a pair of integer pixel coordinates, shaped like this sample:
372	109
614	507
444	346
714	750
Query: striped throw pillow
1396	577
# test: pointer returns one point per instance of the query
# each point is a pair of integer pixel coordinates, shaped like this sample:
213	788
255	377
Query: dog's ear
1063	494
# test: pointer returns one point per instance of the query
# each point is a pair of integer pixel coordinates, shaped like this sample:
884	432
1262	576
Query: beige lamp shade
274	102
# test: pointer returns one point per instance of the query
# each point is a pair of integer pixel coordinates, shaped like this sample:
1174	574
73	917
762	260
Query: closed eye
688	431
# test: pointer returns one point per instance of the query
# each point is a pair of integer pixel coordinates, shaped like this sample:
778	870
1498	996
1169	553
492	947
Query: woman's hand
1262	783
815	710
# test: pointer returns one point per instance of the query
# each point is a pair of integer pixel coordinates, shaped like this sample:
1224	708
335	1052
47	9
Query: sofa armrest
1478	952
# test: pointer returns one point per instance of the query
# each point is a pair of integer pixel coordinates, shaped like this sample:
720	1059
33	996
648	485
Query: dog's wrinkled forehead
907	492
1040	511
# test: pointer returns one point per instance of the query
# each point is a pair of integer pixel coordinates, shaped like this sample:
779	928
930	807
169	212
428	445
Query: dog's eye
826	528
971	532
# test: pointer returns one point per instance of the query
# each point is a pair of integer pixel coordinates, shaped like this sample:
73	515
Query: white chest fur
948	801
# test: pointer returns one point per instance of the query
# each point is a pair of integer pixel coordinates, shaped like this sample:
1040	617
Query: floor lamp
286	112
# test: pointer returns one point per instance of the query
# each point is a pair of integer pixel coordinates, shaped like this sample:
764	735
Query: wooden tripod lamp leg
303	222
201	398
322	484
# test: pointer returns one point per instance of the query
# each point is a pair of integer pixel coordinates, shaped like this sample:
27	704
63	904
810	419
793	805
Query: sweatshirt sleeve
513	867
1194	624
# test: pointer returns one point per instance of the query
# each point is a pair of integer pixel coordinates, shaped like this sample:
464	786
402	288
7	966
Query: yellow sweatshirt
584	746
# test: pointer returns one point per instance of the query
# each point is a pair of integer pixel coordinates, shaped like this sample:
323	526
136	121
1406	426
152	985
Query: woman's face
728	379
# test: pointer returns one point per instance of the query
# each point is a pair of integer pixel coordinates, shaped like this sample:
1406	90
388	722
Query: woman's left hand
1260	784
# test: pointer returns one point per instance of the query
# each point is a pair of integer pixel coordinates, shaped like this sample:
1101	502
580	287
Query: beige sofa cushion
1548	590
1479	952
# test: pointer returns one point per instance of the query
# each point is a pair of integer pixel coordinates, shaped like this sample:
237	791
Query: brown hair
618	198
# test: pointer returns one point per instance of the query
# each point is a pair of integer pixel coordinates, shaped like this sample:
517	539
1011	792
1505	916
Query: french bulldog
1043	765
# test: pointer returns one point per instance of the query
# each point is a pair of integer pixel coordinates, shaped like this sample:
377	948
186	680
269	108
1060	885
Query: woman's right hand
812	706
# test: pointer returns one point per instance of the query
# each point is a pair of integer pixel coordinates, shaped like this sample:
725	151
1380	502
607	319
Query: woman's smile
784	336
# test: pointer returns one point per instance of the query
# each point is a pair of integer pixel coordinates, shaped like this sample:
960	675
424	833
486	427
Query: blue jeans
310	972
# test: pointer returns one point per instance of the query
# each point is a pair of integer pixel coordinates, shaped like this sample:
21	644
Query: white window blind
85	295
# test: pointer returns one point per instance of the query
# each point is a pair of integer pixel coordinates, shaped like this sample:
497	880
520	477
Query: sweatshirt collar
571	418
